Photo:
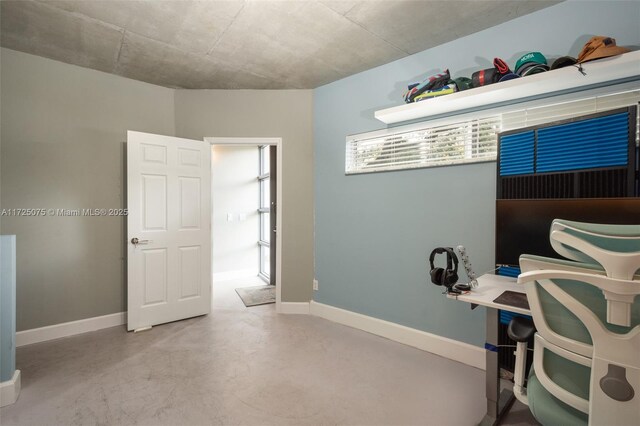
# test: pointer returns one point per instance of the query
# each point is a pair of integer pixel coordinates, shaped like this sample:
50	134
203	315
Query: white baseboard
10	390
294	308
50	332
234	275
445	347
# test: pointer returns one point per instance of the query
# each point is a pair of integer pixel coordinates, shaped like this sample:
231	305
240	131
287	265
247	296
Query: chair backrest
576	345
615	247
588	318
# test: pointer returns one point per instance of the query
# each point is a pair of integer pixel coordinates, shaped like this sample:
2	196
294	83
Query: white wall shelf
609	70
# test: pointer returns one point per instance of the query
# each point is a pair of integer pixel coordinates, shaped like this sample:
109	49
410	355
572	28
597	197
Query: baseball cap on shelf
531	63
509	76
501	66
600	47
463	83
564	61
533	69
484	77
444	90
430	83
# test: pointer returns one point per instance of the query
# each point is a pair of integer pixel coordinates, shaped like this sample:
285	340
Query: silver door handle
136	241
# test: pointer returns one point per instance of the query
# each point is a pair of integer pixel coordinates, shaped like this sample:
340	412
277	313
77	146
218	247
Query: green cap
463	83
529	58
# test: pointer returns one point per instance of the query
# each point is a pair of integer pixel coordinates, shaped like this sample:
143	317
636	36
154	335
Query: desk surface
489	288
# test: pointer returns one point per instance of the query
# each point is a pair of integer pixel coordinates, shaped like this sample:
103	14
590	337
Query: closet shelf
611	70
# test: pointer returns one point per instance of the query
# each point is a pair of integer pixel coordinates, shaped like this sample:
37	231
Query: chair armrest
531	262
521	330
620	294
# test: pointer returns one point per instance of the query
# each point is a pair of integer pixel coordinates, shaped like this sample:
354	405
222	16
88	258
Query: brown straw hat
600	47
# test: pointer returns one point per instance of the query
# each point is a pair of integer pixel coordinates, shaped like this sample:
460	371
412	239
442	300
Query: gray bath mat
258	295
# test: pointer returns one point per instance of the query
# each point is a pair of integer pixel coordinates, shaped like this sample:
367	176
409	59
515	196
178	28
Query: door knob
135	241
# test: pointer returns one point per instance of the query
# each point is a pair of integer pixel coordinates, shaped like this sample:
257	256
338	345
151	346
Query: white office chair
586	366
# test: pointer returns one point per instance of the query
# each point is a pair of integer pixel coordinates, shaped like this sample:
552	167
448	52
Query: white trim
233	275
243	141
445	347
294	308
10	389
604	71
280	177
50	332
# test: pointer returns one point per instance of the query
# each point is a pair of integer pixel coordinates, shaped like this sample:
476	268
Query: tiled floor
245	366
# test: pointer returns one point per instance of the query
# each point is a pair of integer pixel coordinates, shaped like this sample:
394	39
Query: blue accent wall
7	307
374	232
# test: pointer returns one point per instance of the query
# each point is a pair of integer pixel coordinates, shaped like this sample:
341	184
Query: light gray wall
374	232
235	190
63	129
267	113
62	147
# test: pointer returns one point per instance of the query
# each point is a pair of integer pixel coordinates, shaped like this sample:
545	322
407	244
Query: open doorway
246	217
267	212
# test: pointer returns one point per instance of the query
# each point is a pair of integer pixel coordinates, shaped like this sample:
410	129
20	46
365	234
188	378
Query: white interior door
169	229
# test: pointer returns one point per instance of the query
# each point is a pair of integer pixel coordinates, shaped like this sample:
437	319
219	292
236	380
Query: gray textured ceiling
235	44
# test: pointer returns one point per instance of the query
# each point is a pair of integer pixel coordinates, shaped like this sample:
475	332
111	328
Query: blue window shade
508	271
516	154
505	317
593	143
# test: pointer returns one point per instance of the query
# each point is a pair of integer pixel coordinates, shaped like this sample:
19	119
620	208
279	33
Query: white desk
489	288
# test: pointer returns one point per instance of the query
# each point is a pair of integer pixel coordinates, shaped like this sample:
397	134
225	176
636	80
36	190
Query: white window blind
466	141
462	142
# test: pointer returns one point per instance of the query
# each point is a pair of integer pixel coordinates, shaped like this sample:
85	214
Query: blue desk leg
498	403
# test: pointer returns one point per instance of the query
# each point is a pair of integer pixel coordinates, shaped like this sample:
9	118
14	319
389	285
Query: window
455	143
468	139
264	236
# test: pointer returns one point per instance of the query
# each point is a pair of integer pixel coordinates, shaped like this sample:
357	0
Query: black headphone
446	277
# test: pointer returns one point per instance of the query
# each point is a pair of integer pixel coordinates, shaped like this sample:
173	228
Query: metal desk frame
489	288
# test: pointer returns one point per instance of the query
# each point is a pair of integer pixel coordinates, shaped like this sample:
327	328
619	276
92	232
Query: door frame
249	141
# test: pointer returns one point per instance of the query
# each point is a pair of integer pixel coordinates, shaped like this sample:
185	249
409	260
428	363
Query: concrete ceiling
235	44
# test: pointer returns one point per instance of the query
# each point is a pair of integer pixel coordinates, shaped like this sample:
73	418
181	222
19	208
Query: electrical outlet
315	285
